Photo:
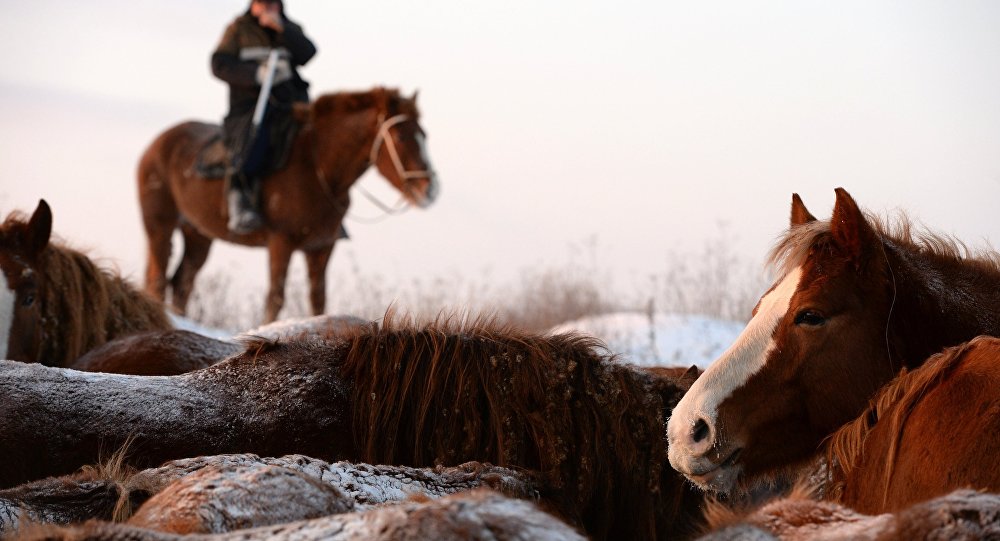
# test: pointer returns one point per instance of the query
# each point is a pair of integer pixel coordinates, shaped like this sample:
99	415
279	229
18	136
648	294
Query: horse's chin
721	480
710	476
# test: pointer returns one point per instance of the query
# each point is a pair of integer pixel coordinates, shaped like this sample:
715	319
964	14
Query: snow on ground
666	340
185	324
663	340
324	326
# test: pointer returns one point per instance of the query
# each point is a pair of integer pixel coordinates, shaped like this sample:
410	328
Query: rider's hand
272	19
282	72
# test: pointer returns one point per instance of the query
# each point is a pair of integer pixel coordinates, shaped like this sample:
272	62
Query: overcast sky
643	125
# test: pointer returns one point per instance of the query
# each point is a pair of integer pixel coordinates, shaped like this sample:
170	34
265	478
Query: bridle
382	134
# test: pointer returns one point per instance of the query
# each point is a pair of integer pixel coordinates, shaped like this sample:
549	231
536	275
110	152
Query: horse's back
156	353
175	142
941	436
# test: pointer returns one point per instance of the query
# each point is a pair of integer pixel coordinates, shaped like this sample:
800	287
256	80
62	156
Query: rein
382	134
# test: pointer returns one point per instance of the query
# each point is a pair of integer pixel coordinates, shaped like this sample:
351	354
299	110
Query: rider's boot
244	217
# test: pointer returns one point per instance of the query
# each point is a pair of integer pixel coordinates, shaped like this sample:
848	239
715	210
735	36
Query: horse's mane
387	100
463	389
83	305
892	404
792	249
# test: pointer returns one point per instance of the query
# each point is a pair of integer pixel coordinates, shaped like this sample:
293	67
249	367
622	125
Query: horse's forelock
792	249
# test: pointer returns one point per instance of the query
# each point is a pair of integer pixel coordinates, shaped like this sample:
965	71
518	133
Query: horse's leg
159	218
316	261
196	248
279	251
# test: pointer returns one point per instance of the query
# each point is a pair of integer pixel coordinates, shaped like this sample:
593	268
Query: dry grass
713	282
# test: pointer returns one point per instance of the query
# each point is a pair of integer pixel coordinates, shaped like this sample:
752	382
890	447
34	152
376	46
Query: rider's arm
297	43
226	63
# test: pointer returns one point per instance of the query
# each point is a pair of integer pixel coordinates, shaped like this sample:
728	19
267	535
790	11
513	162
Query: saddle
213	159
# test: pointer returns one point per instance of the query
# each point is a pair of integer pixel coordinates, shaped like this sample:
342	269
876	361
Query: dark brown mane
897	400
593	428
387	100
84	305
792	249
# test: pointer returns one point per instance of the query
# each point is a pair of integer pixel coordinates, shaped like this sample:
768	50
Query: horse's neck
351	136
940	302
97	306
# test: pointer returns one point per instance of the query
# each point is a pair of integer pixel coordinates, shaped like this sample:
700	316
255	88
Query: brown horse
55	303
855	303
393	394
173	352
478	515
929	432
156	353
341	136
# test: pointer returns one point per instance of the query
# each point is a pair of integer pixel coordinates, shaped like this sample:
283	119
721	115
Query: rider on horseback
241	61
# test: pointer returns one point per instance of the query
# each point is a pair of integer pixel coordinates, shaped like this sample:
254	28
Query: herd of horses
861	401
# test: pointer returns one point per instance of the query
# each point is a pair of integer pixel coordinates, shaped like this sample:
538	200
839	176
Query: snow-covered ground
664	339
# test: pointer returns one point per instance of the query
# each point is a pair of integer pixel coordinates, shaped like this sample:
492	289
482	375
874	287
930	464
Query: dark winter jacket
244	46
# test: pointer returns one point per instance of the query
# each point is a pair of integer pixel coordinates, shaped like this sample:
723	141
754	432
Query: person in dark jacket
241	61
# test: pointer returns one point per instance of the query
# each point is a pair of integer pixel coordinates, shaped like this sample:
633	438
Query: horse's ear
851	231
800	214
413	98
39	229
689	376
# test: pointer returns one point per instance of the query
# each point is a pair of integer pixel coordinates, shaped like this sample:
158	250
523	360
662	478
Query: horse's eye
28	299
809	318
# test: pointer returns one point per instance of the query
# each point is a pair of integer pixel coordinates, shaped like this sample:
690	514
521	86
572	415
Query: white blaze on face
7	299
733	368
432	190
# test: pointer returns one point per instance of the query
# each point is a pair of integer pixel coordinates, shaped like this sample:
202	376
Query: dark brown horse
856	302
55	303
931	431
590	427
340	137
156	353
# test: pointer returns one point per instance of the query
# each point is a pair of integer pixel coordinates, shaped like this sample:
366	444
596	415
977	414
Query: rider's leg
244	186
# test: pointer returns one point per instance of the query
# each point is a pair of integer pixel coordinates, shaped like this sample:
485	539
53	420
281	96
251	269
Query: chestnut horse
930	431
303	204
855	303
394	393
55	303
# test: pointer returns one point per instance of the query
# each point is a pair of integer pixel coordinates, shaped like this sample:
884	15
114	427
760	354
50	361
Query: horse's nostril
700	431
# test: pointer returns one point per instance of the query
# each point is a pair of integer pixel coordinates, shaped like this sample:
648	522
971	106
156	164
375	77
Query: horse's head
809	359
21	282
400	152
